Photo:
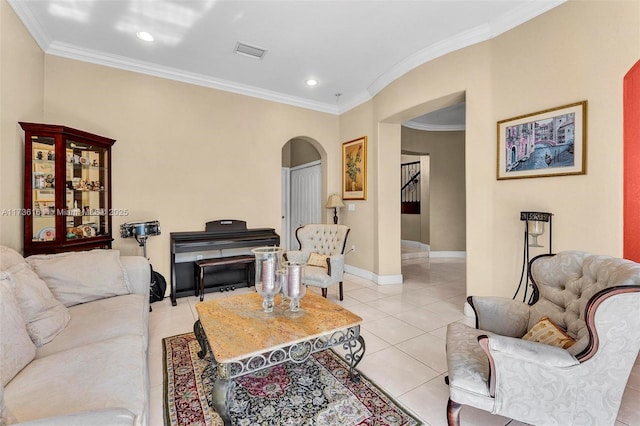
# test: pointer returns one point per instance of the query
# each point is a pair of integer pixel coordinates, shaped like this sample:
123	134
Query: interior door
306	202
286	211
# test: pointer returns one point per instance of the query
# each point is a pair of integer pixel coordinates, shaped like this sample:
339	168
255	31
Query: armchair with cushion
322	251
562	359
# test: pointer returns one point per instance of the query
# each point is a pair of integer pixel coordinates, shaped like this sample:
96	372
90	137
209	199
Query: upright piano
221	238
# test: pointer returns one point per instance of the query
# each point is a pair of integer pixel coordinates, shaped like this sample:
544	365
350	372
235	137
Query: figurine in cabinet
49	181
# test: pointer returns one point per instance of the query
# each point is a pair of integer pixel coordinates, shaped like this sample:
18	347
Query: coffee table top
237	328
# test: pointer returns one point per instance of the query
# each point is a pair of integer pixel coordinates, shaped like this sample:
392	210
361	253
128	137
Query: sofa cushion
547	332
316	259
6	418
101	320
108	374
9	257
106	417
44	315
80	277
16	347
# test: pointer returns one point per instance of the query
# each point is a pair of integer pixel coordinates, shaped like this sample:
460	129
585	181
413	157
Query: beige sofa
74	339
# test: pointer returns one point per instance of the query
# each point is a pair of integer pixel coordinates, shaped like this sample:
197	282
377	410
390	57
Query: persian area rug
315	392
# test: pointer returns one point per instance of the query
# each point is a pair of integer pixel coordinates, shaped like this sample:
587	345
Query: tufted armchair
322	251
502	366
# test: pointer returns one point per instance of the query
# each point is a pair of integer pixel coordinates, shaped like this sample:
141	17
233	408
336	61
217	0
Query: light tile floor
404	328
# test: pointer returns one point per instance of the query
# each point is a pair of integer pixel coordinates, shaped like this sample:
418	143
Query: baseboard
448	254
368	275
415	244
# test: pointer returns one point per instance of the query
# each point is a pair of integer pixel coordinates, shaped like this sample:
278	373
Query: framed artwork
552	142
354	169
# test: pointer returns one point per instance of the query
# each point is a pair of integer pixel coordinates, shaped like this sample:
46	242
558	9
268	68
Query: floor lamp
533	227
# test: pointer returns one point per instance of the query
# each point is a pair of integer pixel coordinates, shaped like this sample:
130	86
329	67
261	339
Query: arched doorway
302	186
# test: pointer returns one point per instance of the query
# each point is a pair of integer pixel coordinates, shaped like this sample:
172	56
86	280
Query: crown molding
457	42
127	64
434	127
464	39
522	14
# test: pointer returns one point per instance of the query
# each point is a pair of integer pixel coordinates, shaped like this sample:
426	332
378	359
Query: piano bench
201	265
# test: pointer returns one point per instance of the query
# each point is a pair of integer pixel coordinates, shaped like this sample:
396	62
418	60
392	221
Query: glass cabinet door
43	183
67	189
86	190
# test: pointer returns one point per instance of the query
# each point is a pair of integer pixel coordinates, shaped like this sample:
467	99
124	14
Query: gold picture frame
354	169
547	143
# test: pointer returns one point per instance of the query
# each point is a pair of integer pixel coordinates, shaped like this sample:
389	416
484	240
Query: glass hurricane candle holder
268	260
294	289
281	276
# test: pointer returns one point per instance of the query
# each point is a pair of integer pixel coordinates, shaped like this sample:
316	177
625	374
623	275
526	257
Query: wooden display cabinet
67	189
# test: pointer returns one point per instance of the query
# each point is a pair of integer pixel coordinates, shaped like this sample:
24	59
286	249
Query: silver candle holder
294	290
268	261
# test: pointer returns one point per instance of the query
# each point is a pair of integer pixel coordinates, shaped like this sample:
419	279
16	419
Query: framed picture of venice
547	143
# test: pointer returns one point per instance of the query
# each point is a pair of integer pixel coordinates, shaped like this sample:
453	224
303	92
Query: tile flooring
404	328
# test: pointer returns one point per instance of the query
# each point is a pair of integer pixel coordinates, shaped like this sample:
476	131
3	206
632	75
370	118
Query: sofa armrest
138	272
500	315
105	417
507	355
545	356
336	266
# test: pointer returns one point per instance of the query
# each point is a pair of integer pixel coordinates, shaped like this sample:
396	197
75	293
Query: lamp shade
334	201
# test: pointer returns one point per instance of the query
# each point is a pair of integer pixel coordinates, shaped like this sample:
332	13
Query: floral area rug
315	392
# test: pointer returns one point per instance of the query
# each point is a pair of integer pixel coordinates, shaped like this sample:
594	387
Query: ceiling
352	48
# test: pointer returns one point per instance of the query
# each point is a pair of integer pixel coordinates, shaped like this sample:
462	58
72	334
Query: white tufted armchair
502	367
322	251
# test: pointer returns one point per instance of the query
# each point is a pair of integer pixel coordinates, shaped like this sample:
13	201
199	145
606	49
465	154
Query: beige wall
580	50
188	154
354	124
184	154
447	185
21	99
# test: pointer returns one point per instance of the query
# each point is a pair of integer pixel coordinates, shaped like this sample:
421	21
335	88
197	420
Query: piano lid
223	234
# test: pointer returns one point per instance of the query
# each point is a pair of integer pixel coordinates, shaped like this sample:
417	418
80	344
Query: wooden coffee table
243	339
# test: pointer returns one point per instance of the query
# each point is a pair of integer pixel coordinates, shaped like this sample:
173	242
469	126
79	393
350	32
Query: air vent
250	51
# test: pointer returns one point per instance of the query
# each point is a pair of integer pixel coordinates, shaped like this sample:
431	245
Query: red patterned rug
315	392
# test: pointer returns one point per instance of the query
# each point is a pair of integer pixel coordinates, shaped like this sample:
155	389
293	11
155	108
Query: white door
306	202
284	238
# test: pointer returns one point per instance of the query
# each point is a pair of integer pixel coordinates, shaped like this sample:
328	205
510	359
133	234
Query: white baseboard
368	275
448	254
415	244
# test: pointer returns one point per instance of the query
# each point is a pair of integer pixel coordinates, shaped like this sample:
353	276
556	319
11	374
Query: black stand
335	215
524	276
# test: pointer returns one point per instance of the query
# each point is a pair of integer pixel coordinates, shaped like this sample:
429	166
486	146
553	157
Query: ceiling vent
250	51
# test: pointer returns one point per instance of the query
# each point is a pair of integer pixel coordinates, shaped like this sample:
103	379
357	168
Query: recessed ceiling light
143	35
311	82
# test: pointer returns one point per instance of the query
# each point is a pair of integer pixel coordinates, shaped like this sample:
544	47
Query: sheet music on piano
221	238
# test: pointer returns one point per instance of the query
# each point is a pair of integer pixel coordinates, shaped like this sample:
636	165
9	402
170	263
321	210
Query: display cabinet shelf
67	189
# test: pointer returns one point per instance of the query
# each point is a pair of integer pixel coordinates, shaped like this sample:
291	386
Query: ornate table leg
220	394
202	339
354	356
